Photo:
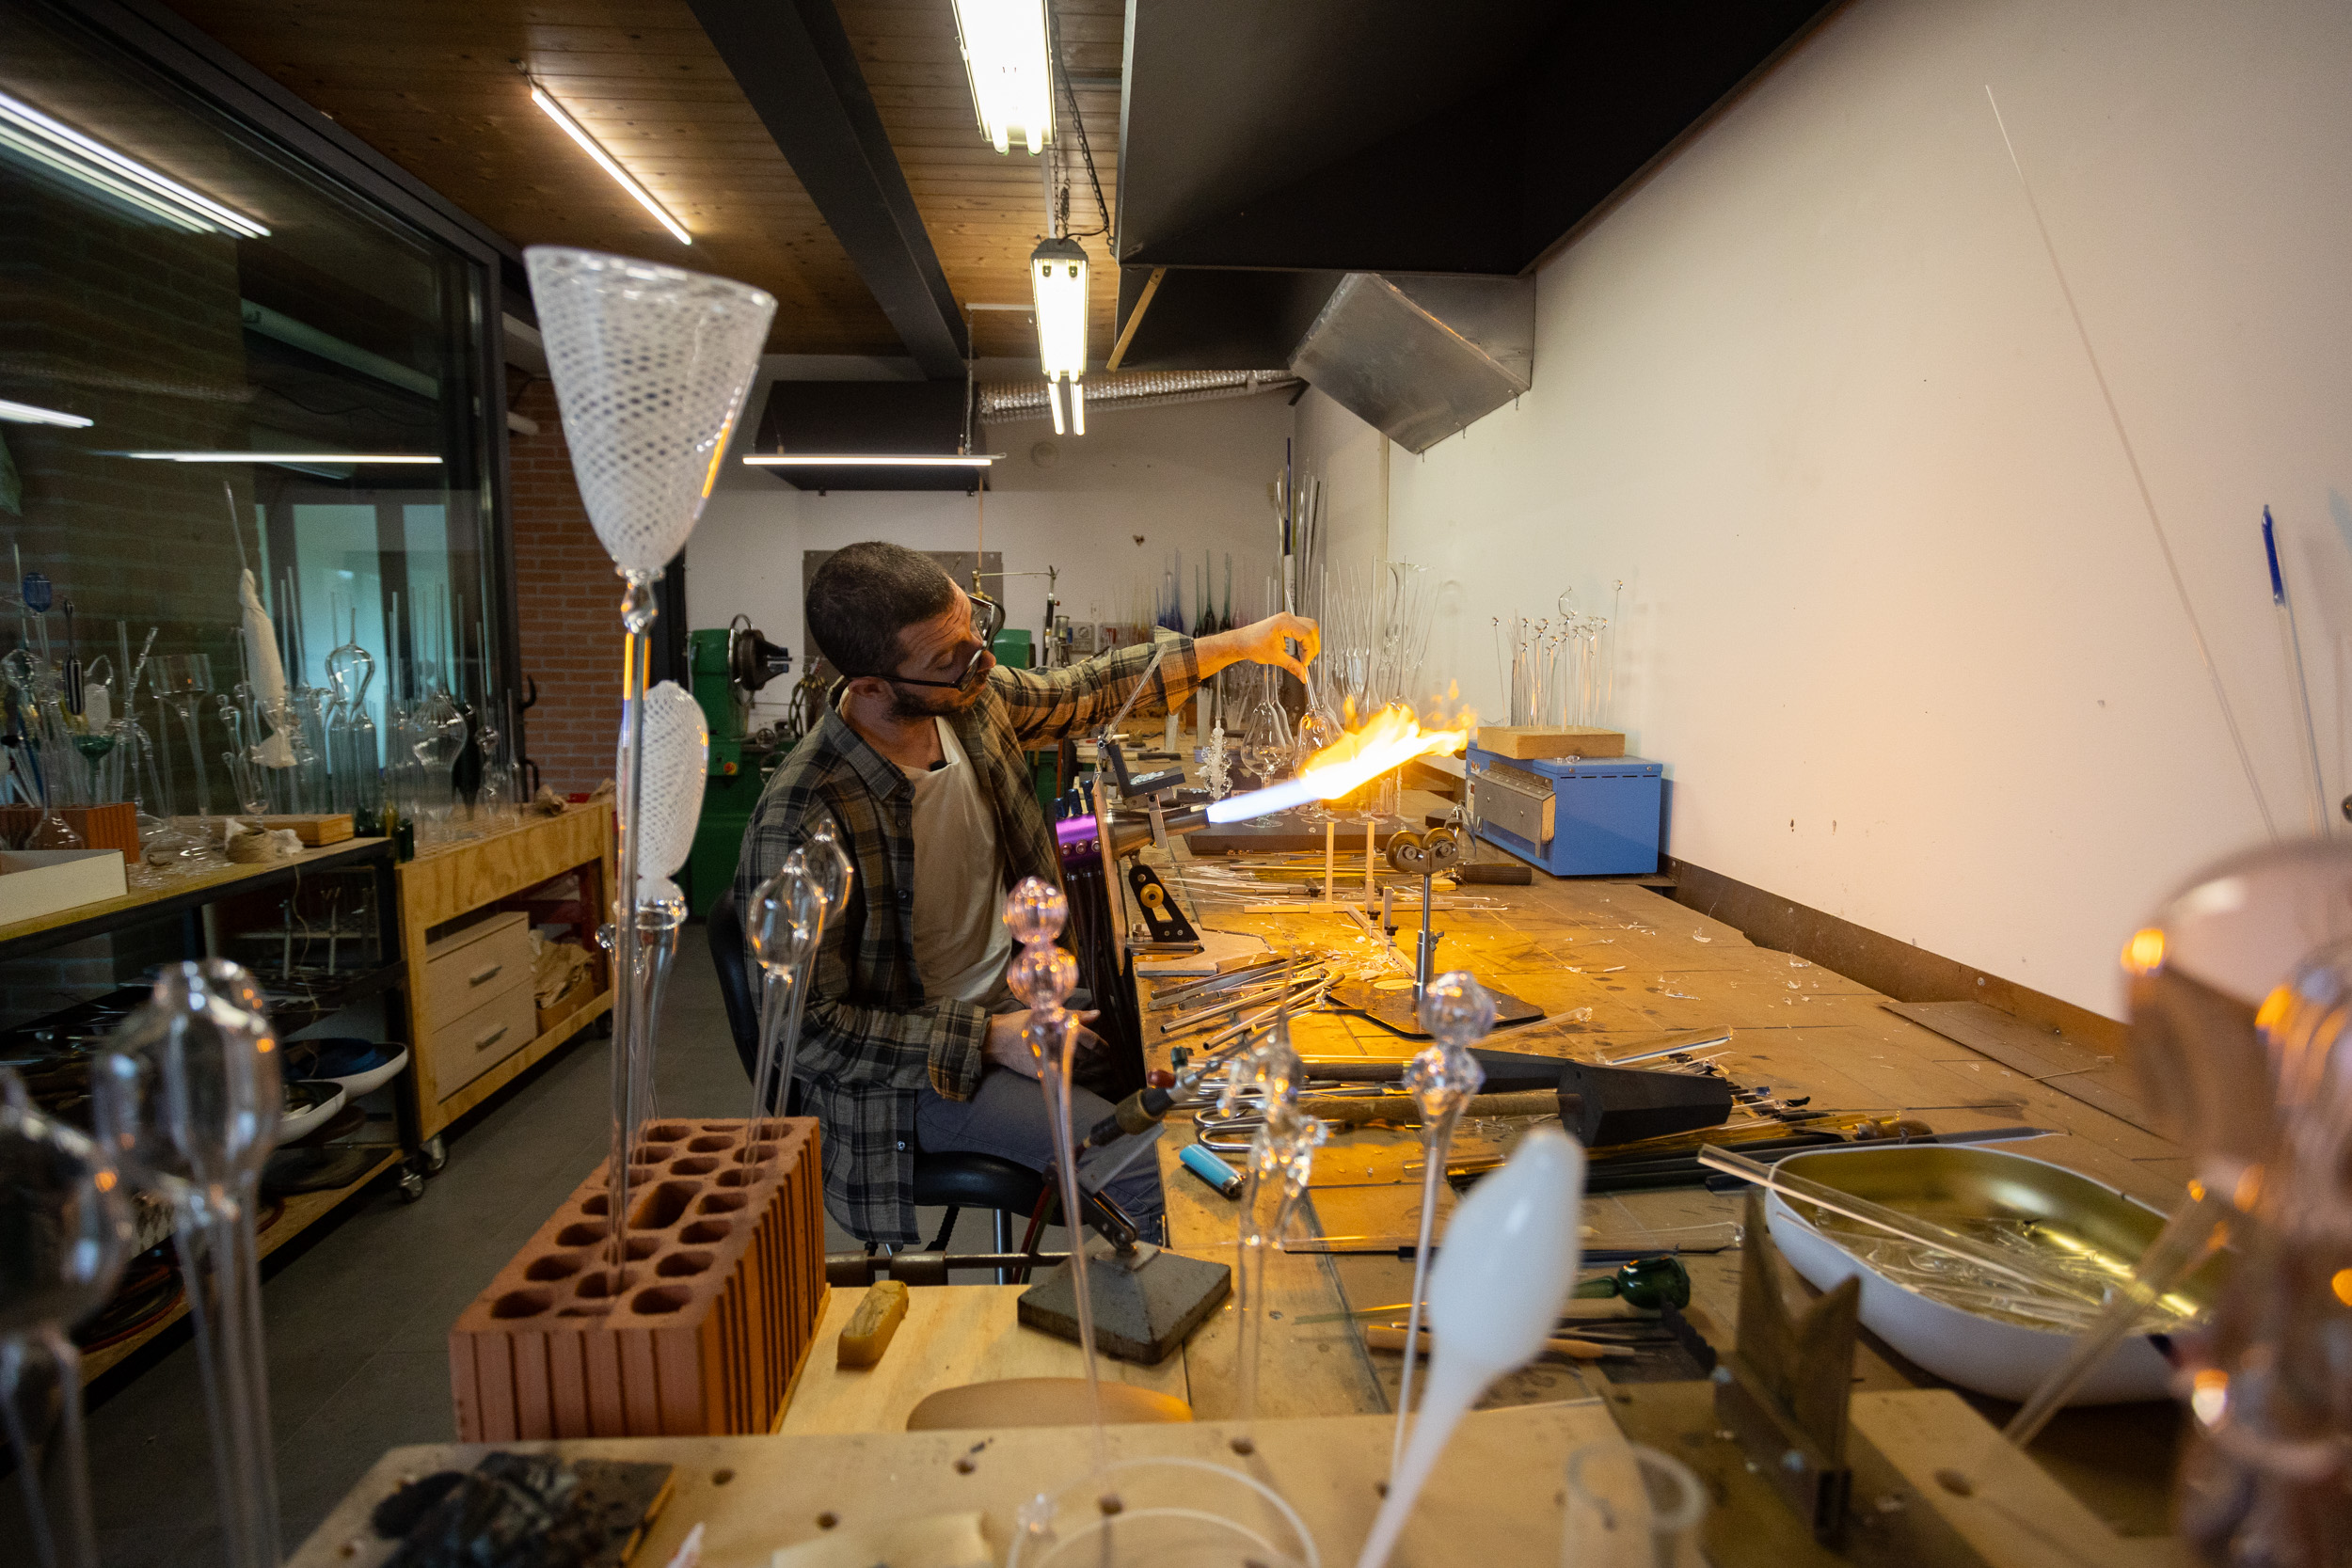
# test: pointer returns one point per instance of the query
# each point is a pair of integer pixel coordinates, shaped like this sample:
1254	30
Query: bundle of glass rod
1561	669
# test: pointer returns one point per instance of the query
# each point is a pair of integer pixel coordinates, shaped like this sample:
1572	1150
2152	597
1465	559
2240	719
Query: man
910	1040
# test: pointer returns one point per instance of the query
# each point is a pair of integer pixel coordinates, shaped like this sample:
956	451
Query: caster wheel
411	1185
436	1155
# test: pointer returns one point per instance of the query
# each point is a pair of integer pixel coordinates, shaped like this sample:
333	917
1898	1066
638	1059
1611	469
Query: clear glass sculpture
188	1101
65	1230
651	365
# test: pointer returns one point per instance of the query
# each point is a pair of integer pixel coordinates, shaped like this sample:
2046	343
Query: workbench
1615	965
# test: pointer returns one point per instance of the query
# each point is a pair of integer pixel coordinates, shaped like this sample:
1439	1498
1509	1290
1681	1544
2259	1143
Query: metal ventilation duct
1001	401
1420	359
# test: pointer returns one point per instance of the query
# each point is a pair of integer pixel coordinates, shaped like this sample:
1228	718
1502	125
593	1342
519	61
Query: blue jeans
1007	1119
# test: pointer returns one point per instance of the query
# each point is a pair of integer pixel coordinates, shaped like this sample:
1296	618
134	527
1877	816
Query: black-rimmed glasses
987	615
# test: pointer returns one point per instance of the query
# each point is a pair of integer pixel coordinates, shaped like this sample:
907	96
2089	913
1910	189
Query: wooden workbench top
1613	965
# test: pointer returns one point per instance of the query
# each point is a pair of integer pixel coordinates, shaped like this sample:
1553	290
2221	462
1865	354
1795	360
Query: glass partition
215	360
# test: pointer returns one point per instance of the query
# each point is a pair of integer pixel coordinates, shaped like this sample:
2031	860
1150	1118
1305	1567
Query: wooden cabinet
470	991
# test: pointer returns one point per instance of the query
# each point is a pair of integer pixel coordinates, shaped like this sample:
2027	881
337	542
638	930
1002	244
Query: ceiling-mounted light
1057	283
605	161
1012	83
57	146
26	413
866	460
281	457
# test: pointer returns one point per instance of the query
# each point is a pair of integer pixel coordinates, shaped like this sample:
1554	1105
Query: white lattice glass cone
651	365
677	759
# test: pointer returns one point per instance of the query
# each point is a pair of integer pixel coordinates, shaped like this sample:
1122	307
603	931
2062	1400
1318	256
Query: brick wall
570	603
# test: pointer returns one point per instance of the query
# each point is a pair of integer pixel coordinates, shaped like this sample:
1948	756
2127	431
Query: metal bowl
2068	1214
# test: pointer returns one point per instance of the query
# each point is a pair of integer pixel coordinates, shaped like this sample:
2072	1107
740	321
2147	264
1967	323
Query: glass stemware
181	681
69	1231
187	1099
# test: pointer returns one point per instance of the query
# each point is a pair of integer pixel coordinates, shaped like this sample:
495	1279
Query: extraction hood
1420	359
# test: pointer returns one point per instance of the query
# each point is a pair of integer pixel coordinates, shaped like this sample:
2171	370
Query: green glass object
1646	1282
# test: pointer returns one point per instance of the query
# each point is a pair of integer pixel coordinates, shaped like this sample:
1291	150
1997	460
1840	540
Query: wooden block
872	1324
709	1323
1525	742
314	828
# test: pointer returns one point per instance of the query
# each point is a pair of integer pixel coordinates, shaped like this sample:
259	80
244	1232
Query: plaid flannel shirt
870	1037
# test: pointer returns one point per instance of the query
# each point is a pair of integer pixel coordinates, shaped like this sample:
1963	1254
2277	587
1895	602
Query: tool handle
1401	1108
1387	1337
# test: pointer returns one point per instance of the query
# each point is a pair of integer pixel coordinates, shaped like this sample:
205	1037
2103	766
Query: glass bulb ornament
187	1099
782	929
1267	1080
1442	1078
2240	993
826	856
1043	977
66	1229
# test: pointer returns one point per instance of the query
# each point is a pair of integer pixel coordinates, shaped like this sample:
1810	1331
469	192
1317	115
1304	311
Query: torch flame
1390	738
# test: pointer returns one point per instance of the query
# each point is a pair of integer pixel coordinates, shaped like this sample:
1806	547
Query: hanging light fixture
1057	283
1013	86
606	161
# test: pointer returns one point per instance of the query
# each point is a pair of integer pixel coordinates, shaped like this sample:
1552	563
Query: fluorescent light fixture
1057	283
59	146
1012	83
281	457
605	161
802	460
25	413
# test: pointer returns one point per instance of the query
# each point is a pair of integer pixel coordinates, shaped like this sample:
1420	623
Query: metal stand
1422	855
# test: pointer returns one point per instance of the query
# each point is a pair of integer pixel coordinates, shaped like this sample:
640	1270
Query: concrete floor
356	1325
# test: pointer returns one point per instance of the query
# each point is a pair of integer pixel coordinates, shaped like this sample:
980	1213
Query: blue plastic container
1603	817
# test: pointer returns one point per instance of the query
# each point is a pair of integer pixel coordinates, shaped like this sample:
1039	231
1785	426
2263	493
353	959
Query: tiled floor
356	1325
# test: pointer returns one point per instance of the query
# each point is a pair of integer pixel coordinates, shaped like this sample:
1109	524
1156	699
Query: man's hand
1008	1045
1266	642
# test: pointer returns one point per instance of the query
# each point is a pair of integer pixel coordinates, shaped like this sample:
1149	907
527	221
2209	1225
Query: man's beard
908	702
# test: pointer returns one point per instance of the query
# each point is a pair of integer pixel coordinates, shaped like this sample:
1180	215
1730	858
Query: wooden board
953	1335
1493	1499
313	829
1525	743
2042	1054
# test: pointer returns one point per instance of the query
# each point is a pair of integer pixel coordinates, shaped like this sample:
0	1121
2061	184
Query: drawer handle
486	973
485	1041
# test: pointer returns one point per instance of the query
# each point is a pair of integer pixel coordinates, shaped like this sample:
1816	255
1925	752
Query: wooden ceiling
434	86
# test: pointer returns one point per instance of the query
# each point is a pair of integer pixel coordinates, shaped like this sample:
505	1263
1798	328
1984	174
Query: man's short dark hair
865	595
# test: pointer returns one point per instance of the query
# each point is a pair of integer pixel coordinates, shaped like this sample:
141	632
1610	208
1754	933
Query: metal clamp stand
1422	855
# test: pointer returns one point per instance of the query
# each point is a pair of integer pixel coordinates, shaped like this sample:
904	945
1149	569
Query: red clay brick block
720	1297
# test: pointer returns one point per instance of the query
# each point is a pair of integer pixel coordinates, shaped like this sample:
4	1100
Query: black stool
958	1182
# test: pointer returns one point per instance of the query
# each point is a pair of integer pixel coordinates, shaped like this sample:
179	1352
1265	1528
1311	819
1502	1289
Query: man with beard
910	1040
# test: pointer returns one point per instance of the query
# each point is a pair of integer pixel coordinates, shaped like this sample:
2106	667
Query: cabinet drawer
468	967
472	1043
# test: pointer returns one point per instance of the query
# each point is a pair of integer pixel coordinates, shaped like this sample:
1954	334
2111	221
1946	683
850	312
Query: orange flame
1390	738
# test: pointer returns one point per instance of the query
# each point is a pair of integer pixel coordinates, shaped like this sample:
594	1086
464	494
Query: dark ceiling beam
793	61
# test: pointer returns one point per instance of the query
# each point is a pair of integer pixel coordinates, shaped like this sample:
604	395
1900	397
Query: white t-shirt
960	943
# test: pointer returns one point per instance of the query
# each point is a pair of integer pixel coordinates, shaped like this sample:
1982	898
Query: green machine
726	667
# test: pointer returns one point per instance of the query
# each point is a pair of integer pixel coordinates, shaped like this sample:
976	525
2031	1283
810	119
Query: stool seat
970	1180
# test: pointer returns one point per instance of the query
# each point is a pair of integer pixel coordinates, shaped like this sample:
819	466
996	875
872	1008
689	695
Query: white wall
1896	619
1190	477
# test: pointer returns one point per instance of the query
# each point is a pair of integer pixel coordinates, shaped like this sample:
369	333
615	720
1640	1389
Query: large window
249	366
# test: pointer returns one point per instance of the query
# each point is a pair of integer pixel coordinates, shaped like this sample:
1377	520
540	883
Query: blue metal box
1574	816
